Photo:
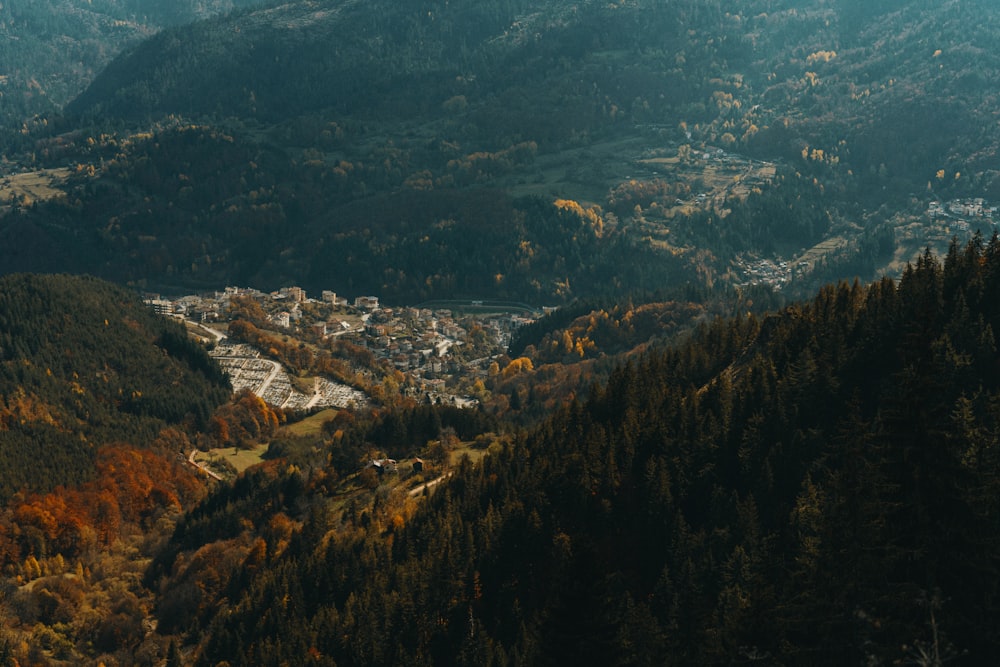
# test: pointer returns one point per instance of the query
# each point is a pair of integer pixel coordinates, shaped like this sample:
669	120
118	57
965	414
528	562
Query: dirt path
429	485
199	466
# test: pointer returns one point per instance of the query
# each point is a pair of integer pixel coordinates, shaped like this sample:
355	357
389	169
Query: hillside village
436	348
959	212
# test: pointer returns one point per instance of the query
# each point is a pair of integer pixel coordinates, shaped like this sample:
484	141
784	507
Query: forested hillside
891	90
85	364
812	487
689	462
500	66
196	208
50	50
366	147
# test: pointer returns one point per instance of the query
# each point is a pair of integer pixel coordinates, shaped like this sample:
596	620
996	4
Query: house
366	303
418	465
293	294
161	306
383	466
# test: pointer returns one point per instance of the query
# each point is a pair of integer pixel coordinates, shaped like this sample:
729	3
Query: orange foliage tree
244	421
131	487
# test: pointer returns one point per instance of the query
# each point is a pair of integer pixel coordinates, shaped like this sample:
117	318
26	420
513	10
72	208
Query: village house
293	294
161	306
366	303
383	466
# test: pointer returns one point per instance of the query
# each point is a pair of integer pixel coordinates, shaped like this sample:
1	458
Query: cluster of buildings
421	342
285	304
421	339
777	274
957	213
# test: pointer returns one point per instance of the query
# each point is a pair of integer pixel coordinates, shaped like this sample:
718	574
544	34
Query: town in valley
435	351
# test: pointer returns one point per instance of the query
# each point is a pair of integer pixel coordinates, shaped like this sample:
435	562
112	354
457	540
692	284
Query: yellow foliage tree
517	366
591	215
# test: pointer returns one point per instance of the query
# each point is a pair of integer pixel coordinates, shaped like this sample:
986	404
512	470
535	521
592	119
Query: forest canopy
84	363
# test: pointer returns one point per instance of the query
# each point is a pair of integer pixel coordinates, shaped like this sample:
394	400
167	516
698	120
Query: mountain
50	50
84	364
195	209
650	483
392	61
364	146
774	76
814	487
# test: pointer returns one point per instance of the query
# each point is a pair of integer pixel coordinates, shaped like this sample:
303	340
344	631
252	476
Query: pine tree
174	658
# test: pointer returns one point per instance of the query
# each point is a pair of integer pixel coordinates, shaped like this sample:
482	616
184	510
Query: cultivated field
33	186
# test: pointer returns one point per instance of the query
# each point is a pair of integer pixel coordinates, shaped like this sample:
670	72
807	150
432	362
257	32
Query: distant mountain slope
83	364
894	90
51	49
363	146
197	208
492	62
899	89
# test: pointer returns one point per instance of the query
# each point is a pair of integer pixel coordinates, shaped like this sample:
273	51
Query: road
199	466
429	485
213	333
275	369
480	304
316	395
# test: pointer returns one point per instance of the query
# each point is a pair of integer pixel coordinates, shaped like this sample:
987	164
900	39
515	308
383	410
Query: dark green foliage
405	432
557	72
52	49
814	487
82	364
385	163
222	210
387	57
795	215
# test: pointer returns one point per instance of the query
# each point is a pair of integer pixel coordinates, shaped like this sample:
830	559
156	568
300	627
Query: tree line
810	487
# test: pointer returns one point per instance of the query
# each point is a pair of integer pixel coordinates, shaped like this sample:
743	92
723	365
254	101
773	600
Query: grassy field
582	174
474	453
311	425
814	254
35	185
240	459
